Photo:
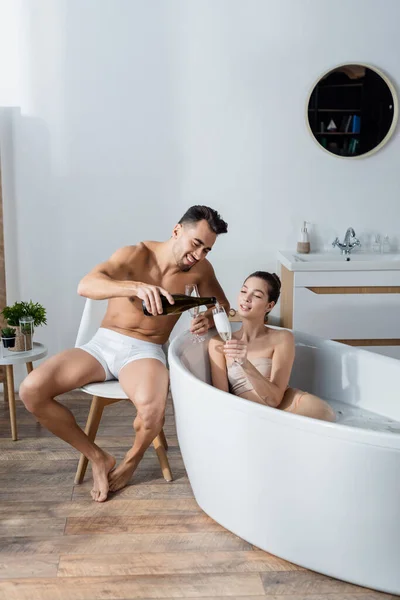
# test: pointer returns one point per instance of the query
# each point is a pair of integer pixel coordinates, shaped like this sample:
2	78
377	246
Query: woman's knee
328	414
315	407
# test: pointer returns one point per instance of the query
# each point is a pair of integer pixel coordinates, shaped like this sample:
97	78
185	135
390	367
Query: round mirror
352	110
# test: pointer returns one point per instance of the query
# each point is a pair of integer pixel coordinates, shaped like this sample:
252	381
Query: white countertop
335	261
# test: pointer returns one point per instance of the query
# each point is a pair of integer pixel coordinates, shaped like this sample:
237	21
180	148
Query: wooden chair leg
92	425
163	458
163	439
3	380
5	389
11	401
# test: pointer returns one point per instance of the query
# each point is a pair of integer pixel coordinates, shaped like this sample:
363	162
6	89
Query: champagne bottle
182	303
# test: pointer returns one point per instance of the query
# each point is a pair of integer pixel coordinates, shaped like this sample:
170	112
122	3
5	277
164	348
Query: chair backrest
92	316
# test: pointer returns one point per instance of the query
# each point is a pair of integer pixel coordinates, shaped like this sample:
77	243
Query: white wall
131	111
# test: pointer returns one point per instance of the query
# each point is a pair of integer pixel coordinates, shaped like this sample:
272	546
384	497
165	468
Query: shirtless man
128	346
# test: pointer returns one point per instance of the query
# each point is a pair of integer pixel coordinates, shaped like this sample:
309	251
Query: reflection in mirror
352	110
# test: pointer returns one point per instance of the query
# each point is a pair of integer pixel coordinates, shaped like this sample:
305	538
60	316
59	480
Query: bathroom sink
335	261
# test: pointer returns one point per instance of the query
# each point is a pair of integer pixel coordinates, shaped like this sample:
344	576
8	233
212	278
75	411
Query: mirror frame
395	110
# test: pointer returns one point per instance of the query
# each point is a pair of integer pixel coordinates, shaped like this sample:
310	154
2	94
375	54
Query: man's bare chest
174	283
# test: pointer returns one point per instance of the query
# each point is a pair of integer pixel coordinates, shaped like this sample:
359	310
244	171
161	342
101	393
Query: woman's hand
236	350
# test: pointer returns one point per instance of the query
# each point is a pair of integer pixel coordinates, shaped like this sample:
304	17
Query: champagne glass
192	290
223	326
222	323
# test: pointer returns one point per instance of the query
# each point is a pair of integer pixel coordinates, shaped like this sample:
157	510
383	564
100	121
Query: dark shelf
332	85
336	100
335	133
348	110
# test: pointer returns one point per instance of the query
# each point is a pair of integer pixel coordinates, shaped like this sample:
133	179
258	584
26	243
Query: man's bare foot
100	470
122	474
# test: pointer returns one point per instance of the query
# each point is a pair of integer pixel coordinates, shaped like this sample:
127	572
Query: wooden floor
150	540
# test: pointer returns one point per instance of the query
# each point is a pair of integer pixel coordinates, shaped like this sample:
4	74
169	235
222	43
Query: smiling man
128	345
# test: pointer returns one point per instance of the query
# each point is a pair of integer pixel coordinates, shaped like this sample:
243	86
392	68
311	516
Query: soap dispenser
303	246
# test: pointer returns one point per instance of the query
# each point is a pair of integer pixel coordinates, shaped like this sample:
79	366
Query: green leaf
12	314
8	332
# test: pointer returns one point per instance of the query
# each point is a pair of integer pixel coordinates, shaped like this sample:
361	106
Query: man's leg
145	381
58	375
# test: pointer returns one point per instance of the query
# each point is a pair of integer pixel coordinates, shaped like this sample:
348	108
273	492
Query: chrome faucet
347	245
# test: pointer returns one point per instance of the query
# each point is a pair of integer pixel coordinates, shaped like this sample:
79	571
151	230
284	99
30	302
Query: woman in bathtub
256	363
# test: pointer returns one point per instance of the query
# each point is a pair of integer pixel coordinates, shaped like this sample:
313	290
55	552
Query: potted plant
8	337
20	310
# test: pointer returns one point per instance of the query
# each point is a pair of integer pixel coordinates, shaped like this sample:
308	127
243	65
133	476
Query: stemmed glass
222	323
223	326
191	290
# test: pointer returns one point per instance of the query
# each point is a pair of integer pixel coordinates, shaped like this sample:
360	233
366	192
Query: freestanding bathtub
325	496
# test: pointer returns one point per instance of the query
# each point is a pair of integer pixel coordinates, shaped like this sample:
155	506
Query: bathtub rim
284	419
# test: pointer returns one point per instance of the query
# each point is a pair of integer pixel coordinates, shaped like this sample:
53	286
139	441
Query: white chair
107	392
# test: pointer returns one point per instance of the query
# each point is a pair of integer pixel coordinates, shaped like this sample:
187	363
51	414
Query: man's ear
176	230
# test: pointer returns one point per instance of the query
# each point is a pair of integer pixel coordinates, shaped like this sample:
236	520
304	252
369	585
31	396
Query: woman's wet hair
273	283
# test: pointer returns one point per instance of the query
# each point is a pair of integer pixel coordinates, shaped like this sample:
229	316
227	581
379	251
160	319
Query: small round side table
17	358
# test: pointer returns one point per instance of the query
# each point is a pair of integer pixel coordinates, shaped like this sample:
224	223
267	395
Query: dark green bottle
182	303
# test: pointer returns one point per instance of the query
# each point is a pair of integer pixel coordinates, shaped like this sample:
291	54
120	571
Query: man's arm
109	280
209	286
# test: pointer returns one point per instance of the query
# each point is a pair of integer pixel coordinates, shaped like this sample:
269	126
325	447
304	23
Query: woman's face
253	300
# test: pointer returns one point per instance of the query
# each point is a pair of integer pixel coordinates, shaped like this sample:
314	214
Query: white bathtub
325	496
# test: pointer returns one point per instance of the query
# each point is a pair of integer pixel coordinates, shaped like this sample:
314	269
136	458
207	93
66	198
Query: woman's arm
219	375
270	391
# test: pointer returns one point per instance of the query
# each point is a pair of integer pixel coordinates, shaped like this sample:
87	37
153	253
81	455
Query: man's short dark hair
199	213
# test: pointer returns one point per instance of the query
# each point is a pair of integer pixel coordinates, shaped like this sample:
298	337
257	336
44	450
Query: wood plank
39	493
26	526
121	443
64	472
306	582
157	488
146	473
18	469
160	490
371	342
121	588
157	563
56	454
37	479
85	507
377	289
44	565
154	523
123	543
107	439
142	477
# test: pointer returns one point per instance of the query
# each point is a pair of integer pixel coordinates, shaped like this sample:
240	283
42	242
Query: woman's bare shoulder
280	335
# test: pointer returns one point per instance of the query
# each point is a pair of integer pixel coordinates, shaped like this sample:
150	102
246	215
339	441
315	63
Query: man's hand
151	294
199	325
